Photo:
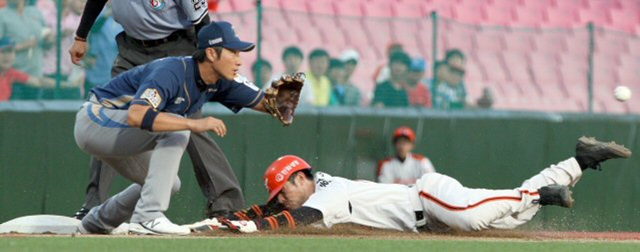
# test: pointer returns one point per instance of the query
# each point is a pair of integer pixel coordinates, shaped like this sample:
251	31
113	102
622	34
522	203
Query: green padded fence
43	171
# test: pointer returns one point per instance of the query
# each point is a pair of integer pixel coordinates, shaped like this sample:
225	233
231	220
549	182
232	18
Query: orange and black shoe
591	152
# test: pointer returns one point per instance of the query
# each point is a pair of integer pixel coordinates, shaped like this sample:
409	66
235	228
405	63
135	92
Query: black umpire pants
212	169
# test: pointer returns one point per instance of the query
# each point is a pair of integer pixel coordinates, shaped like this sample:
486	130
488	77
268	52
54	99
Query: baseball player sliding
435	202
136	123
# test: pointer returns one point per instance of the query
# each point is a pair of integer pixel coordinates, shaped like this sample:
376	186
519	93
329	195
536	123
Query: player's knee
176	186
179	138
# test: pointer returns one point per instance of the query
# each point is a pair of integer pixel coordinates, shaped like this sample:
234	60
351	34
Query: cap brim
240	46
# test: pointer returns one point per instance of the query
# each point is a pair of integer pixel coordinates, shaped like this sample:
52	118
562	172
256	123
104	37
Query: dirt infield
352	231
358	232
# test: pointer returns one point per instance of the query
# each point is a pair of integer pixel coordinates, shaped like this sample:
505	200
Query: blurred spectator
27	28
351	92
265	74
72	74
383	72
103	50
486	100
336	76
418	88
392	93
404	167
449	90
317	88
342	94
292	58
9	75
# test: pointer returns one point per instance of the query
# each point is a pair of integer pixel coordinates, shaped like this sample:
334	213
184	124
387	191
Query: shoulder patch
243	80
152	96
417	156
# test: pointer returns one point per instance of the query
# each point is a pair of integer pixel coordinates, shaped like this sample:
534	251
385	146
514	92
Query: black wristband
147	120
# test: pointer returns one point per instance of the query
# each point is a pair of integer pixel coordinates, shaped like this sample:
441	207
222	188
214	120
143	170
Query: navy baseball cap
222	34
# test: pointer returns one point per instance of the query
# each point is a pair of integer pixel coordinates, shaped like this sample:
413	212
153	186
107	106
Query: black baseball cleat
591	152
557	195
80	214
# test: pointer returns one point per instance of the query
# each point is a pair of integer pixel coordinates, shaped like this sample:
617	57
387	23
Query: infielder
405	167
435	202
156	29
136	123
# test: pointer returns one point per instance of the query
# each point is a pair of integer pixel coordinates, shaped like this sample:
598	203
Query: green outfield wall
43	171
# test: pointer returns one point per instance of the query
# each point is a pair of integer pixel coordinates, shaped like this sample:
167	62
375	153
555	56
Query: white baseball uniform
444	200
392	170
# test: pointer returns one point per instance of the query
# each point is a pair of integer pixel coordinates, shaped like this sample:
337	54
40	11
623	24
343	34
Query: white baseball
622	93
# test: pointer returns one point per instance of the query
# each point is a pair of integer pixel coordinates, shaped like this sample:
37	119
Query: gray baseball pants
151	160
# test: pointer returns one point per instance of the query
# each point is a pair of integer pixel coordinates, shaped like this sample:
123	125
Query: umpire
156	29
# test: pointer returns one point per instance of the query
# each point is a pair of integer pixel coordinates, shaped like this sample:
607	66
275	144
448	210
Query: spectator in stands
449	90
103	50
486	100
418	88
382	73
392	93
350	58
9	75
317	88
404	167
25	25
265	74
292	58
343	93
73	75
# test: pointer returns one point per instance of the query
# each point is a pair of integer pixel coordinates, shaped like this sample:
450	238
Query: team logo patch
246	82
152	96
157	4
280	176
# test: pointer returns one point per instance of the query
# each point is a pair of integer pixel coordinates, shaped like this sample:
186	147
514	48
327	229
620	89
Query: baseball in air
622	93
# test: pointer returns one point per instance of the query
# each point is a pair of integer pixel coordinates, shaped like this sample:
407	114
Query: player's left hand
205	225
240	226
281	99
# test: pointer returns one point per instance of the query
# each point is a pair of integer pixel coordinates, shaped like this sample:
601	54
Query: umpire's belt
151	43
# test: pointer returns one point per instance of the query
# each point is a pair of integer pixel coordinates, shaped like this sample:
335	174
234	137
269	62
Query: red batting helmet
404	132
279	171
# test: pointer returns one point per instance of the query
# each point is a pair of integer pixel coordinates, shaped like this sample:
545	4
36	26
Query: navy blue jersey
174	85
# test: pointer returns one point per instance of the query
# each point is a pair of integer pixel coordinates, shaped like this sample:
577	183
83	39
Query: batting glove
205	225
240	226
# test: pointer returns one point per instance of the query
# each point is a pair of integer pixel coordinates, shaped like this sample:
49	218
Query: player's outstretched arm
145	117
291	219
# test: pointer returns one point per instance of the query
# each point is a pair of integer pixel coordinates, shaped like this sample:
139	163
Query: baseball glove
281	99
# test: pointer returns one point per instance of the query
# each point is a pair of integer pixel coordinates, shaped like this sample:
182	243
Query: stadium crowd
30	60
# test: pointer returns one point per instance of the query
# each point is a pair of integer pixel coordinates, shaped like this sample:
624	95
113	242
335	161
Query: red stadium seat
520	42
569	4
507	3
560	18
598	17
528	17
488	41
293	5
498	15
467	14
408	10
550	42
377	9
628	75
349	8
321	7
625	20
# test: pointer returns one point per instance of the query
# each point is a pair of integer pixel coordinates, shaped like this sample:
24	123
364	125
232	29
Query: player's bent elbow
135	115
